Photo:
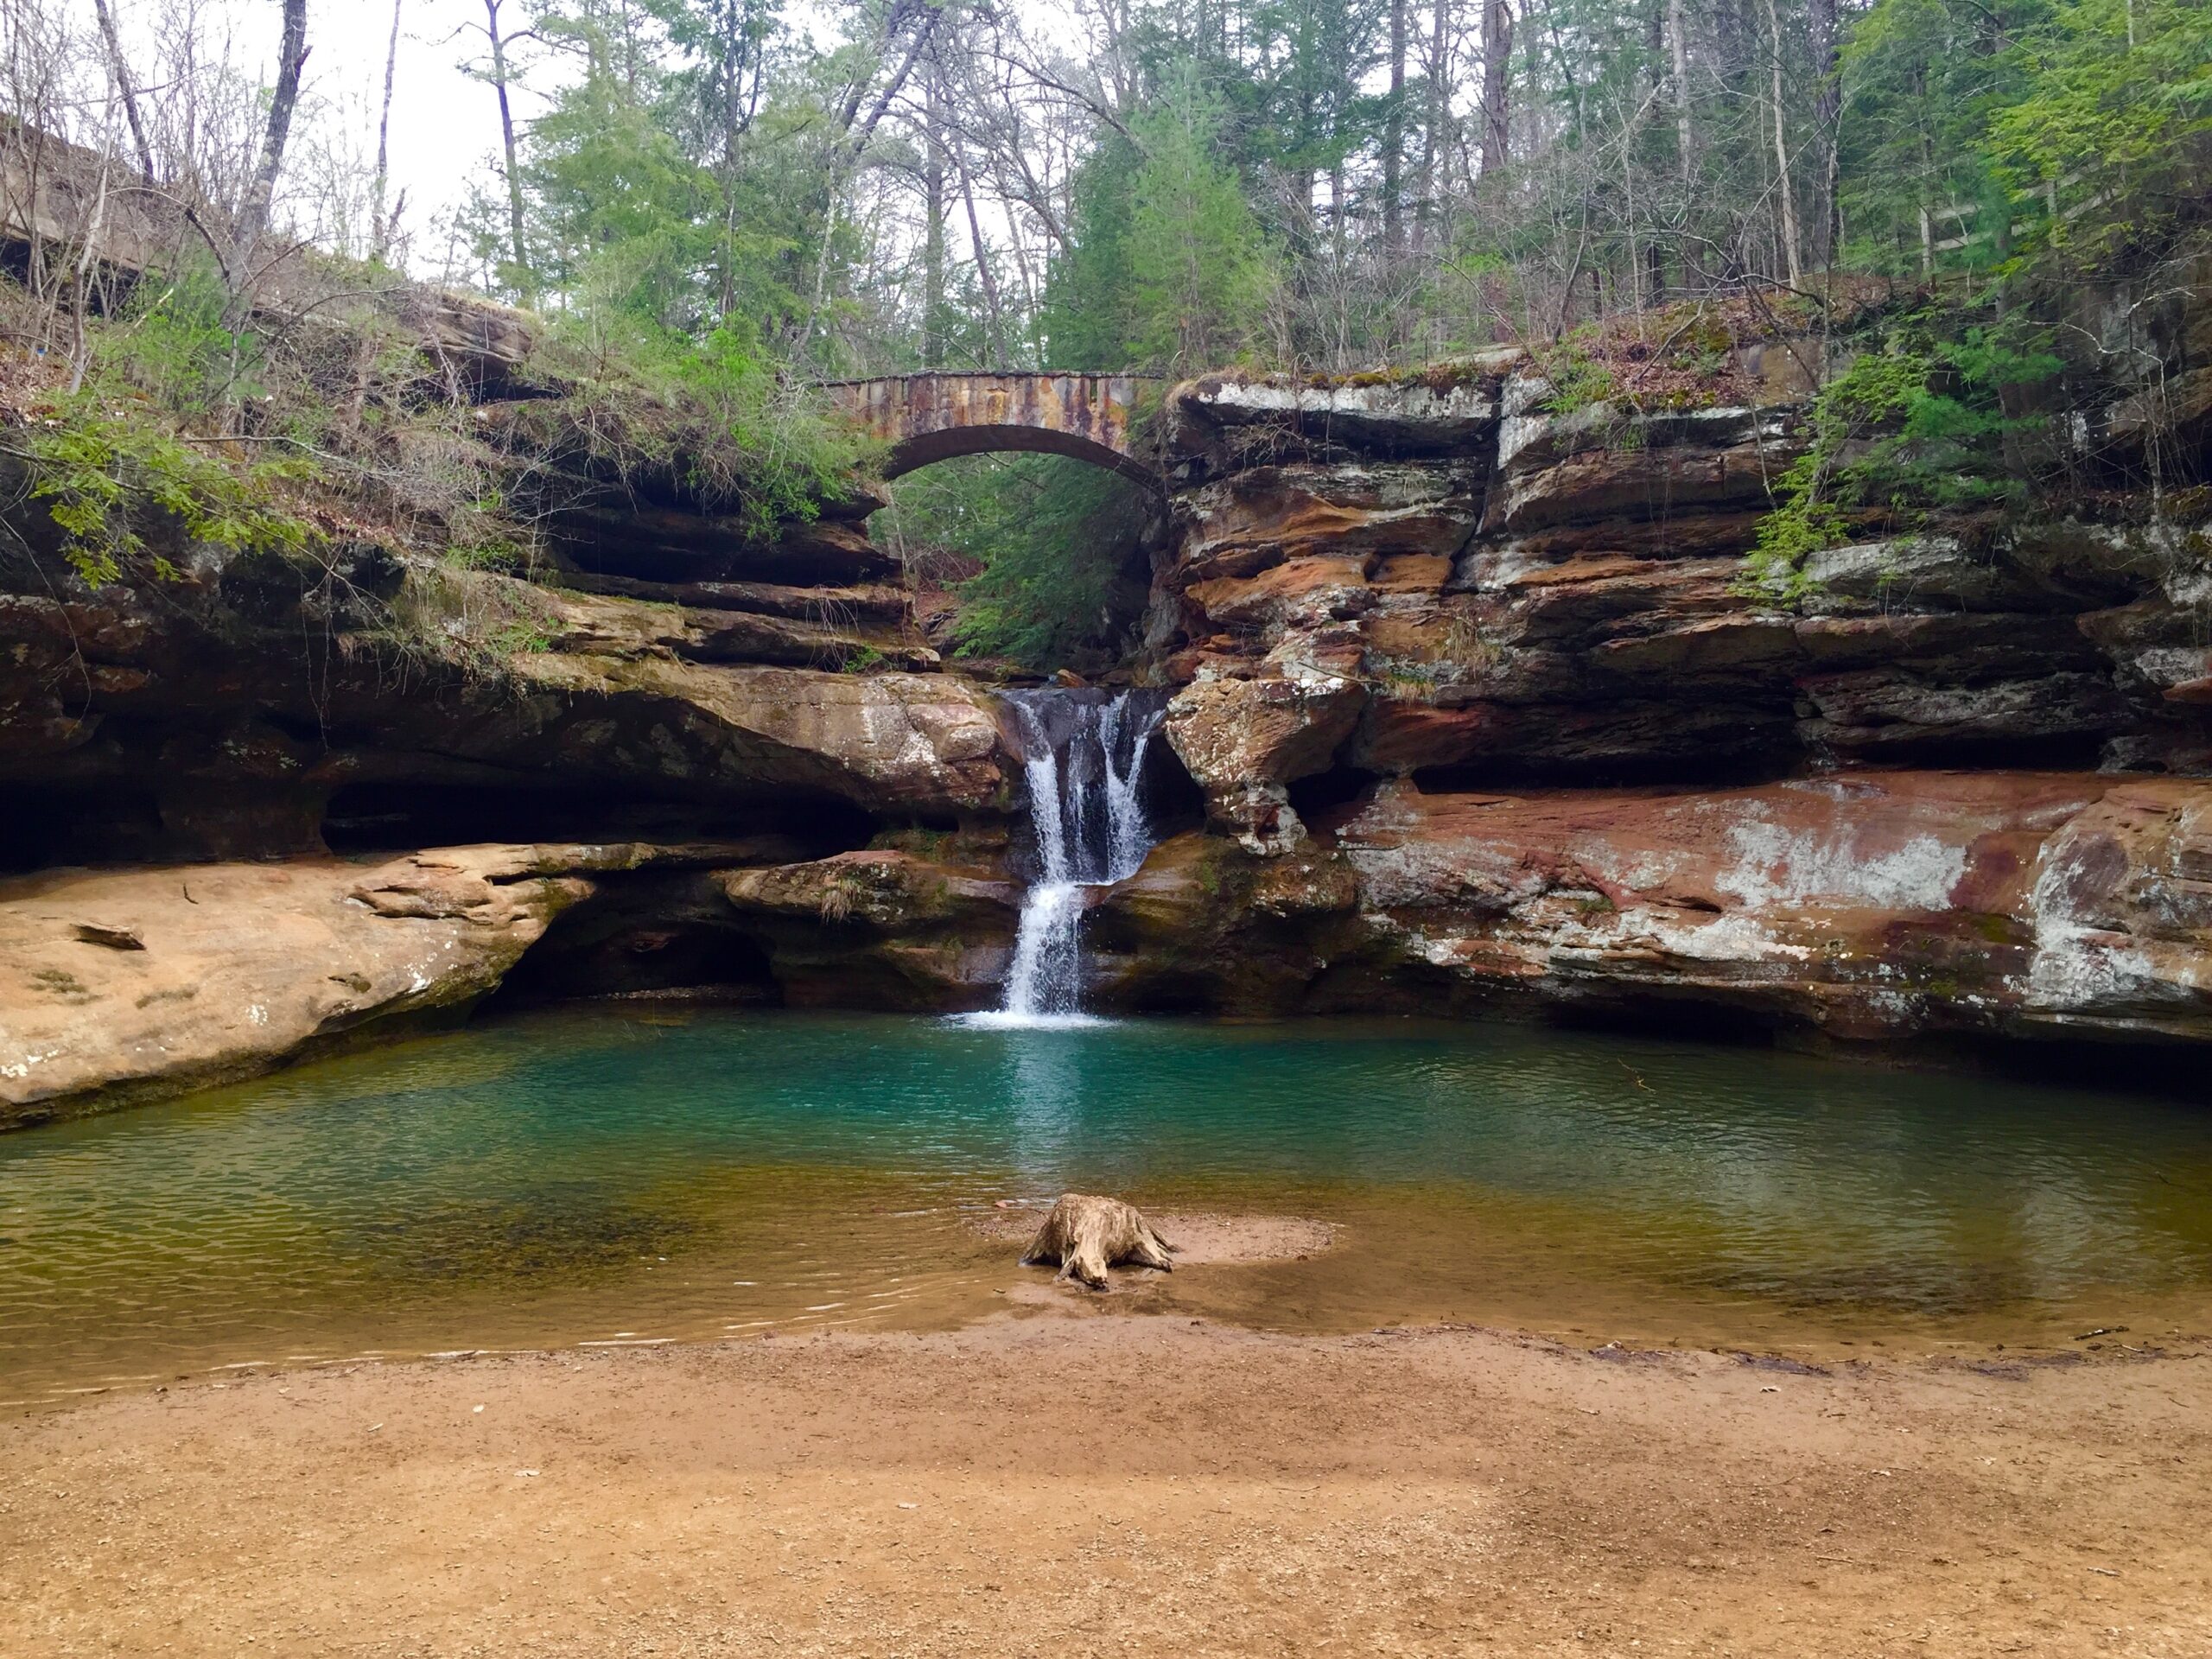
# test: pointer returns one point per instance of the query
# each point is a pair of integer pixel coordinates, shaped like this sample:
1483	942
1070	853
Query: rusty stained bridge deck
934	416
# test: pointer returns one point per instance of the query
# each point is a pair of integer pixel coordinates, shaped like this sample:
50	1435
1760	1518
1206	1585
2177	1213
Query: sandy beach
1071	1479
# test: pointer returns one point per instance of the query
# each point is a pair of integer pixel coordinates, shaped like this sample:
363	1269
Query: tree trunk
1440	112
1679	45
1498	53
993	332
1927	183
1084	1236
379	228
1828	111
1783	193
253	215
121	71
933	305
1394	140
525	289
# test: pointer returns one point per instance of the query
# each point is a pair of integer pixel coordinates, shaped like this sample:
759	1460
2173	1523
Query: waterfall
1083	753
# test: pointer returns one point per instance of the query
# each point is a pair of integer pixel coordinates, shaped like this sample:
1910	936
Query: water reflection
582	1174
1044	1100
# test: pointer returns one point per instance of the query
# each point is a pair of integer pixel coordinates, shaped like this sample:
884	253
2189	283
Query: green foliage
715	417
519	636
107	479
1050	541
1088	319
1200	275
1167	267
675	181
2022	126
500	555
2116	101
1578	381
1917	425
172	345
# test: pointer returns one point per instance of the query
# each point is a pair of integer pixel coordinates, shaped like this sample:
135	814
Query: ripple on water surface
603	1177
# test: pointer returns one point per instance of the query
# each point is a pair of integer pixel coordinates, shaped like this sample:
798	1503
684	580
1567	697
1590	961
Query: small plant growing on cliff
839	896
522	635
106	479
1900	432
711	416
1578	382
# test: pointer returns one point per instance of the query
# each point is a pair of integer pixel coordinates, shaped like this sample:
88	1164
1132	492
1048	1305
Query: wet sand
1121	1483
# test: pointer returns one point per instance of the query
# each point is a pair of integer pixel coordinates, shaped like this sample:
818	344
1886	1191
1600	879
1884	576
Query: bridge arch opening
1042	526
949	443
1029	555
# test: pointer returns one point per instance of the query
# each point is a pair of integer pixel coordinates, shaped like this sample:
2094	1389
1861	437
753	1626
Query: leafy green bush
1167	267
1917	426
107	479
715	417
1578	381
172	345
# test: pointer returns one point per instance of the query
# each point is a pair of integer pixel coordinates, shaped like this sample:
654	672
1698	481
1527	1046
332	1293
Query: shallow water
616	1176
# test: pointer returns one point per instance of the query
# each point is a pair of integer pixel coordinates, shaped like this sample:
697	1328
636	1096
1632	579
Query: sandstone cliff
1476	706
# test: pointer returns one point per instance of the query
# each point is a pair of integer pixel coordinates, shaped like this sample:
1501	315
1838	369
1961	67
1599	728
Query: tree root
1084	1236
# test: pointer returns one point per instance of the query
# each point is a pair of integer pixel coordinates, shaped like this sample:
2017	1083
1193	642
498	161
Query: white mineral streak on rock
2173	664
1414	404
2077	968
1734	936
1452	872
1639	870
22	1068
1775	864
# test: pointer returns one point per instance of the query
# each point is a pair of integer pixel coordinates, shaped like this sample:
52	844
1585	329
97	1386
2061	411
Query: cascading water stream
1083	754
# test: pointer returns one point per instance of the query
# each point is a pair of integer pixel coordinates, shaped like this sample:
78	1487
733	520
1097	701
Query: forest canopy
746	197
1322	184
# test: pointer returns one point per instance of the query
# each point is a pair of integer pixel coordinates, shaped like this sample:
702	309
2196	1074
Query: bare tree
1435	126
380	229
119	71
253	214
499	73
1394	139
1785	194
1678	49
1498	58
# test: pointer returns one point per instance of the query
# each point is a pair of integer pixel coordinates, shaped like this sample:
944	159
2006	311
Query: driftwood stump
1084	1236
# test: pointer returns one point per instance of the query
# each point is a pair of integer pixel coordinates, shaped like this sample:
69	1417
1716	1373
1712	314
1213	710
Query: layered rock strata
1483	706
228	714
1480	587
1872	907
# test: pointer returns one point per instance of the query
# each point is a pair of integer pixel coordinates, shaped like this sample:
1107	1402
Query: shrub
1917	426
107	479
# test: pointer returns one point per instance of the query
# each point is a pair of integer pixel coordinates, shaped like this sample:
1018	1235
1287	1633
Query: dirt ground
1082	1480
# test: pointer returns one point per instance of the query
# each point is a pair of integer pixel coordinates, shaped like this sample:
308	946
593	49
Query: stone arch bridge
934	416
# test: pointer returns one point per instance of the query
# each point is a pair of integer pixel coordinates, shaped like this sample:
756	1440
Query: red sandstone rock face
1243	740
1564	597
1877	906
237	713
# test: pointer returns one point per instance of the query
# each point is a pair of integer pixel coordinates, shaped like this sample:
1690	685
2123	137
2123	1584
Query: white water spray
1083	754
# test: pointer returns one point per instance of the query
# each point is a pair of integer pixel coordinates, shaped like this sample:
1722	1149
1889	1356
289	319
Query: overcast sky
445	126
